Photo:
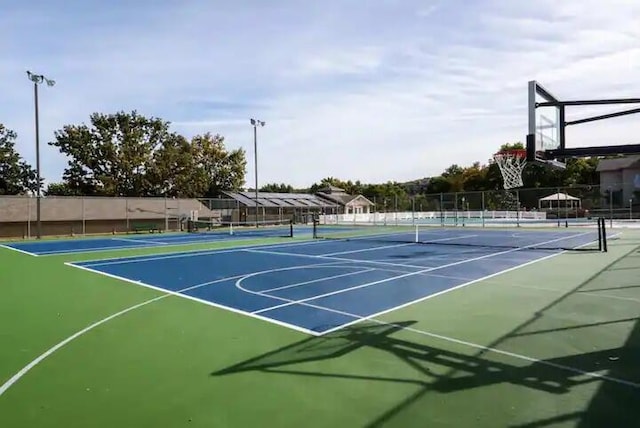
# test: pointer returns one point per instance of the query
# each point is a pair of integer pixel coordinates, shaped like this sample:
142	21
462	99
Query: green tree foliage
126	154
59	189
277	188
111	156
173	171
222	169
16	176
350	187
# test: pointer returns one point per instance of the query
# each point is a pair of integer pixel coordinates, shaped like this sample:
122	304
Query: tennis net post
602	234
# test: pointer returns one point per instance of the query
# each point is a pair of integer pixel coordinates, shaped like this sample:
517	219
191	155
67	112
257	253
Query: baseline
188	253
140	240
18	250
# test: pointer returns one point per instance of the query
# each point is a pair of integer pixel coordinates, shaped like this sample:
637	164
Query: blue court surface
83	245
323	285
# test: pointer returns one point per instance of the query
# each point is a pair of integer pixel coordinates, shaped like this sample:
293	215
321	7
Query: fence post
29	217
517	208
375	211
413	209
166	214
558	205
566	208
610	207
395	210
126	211
84	217
482	210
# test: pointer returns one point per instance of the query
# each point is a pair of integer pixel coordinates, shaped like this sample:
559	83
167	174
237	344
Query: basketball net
511	165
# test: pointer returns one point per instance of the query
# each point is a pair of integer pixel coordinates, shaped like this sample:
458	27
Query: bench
145	227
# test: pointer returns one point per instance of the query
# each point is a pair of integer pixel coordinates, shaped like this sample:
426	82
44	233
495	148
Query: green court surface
555	343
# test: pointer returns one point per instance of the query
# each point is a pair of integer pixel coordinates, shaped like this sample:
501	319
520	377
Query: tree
16	176
126	154
277	188
221	169
581	171
112	156
60	189
173	171
439	184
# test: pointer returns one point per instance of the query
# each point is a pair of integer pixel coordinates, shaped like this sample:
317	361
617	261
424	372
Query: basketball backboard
546	125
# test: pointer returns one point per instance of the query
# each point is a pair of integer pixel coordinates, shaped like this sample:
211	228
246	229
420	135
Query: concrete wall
66	216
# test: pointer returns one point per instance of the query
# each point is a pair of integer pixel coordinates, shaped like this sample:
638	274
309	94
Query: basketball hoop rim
519	153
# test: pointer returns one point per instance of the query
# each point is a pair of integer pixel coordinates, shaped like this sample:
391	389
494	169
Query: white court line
372	318
165	293
393	278
13	379
514	355
579	293
139	240
189	253
184	241
19	250
313	281
456	255
341	259
367	249
27	368
129	247
395	308
395	246
179	293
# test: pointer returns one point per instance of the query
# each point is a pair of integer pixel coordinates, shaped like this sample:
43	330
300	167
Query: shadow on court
443	368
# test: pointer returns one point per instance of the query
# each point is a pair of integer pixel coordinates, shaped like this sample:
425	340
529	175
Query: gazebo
562	200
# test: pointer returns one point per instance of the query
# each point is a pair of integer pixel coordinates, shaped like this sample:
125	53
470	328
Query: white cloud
391	91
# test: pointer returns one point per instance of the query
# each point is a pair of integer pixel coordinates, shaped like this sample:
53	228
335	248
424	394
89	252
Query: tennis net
266	228
585	236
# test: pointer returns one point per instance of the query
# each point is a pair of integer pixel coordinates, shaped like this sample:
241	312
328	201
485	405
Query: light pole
255	123
37	79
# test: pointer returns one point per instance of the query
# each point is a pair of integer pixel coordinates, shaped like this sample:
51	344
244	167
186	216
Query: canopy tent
564	199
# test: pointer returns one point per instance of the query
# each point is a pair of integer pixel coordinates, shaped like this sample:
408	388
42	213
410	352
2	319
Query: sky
370	90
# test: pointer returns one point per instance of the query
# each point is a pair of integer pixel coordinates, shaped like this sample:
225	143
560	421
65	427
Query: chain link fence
68	216
552	204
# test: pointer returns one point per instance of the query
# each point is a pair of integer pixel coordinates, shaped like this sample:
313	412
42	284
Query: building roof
618	164
559	196
331	189
279	200
343	198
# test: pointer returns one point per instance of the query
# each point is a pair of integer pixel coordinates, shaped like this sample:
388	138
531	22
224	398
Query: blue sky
371	90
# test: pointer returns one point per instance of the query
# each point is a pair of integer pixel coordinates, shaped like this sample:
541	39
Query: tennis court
319	287
223	232
344	325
